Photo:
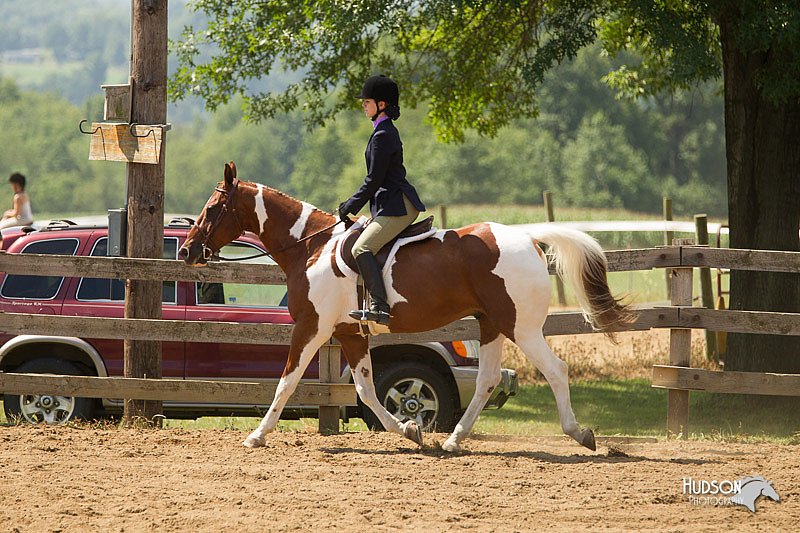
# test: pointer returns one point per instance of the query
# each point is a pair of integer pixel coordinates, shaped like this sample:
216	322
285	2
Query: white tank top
25	214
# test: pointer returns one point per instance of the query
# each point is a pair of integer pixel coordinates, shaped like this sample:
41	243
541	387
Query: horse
489	271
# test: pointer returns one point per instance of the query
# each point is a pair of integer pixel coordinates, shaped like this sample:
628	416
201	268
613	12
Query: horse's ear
230	173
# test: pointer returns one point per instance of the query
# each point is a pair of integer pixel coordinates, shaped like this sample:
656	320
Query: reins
268	254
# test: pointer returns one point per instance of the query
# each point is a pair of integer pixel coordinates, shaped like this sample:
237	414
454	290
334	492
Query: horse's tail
580	260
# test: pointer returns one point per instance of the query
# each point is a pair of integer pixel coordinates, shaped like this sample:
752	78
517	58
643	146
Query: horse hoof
451	446
253	442
412	431
587	439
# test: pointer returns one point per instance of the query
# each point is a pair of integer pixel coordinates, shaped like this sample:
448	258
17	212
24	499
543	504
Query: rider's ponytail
392	111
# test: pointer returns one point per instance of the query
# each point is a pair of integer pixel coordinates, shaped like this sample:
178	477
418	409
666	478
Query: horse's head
217	225
770	492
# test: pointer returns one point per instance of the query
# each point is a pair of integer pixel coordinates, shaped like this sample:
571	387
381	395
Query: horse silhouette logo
754	487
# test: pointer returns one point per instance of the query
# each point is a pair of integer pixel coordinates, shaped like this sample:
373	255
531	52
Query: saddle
415	232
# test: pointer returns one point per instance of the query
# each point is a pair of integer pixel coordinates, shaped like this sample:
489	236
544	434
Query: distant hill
71	47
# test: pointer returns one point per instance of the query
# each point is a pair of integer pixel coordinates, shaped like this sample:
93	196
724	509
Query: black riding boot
373	280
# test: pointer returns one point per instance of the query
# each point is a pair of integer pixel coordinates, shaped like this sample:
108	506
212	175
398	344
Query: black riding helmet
382	89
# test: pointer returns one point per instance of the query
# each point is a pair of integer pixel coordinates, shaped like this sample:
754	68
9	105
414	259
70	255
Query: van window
241	294
94	289
23	286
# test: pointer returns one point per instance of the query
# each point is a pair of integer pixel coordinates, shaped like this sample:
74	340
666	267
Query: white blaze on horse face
300	225
525	276
261	209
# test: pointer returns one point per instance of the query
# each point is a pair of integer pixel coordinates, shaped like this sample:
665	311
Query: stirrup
369	315
367	327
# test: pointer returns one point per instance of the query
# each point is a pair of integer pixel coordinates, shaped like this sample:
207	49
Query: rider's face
369	106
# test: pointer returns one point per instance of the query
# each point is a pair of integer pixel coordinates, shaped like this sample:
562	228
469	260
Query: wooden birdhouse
118	103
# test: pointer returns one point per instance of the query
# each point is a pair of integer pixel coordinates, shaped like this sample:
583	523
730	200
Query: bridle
229	196
208	253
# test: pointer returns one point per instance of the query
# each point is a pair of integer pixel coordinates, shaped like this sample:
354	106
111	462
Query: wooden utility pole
145	194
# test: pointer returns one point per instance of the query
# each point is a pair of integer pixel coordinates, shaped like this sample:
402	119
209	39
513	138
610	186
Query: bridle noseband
230	197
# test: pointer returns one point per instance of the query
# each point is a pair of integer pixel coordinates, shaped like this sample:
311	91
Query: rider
394	203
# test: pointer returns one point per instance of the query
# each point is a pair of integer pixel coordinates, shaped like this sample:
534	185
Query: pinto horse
492	272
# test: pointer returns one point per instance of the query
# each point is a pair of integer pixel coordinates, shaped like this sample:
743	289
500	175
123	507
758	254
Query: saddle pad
344	248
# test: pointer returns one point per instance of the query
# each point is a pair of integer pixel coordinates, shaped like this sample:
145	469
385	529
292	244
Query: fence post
706	291
548	205
442	216
330	370
668	236
680	348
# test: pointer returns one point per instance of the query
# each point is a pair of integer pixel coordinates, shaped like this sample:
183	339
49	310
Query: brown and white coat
490	271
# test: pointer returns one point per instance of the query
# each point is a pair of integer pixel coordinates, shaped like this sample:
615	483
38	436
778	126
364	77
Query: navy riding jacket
386	181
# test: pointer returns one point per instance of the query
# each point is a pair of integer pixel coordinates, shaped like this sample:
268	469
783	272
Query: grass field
612	407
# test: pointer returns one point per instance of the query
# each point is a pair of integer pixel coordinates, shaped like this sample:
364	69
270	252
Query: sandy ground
97	479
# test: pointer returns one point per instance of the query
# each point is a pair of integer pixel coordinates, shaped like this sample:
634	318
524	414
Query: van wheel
412	391
47	408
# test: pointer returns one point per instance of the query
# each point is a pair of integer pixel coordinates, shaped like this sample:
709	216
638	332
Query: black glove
343	212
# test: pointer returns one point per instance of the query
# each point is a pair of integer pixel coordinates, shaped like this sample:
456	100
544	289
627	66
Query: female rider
393	201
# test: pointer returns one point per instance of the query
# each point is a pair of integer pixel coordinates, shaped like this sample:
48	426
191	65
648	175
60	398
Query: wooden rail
695	379
737	259
171	270
144	269
184	390
565	323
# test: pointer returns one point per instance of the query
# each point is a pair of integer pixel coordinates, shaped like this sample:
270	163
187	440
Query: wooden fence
680	317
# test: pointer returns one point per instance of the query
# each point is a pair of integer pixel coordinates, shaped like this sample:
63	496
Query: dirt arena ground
94	479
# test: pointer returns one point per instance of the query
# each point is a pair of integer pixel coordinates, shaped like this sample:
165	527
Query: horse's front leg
306	341
356	351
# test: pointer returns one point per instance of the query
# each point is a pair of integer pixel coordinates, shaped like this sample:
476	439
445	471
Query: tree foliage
677	141
473	61
477	63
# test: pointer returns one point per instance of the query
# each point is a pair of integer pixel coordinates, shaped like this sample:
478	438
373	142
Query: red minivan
438	376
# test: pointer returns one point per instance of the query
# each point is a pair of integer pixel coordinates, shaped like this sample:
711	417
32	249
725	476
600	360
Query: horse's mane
281	193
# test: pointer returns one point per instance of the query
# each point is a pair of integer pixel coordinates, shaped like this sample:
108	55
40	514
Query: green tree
603	170
263	153
753	45
479	64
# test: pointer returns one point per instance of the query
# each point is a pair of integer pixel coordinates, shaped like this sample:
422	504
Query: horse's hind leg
555	371
356	350
488	377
